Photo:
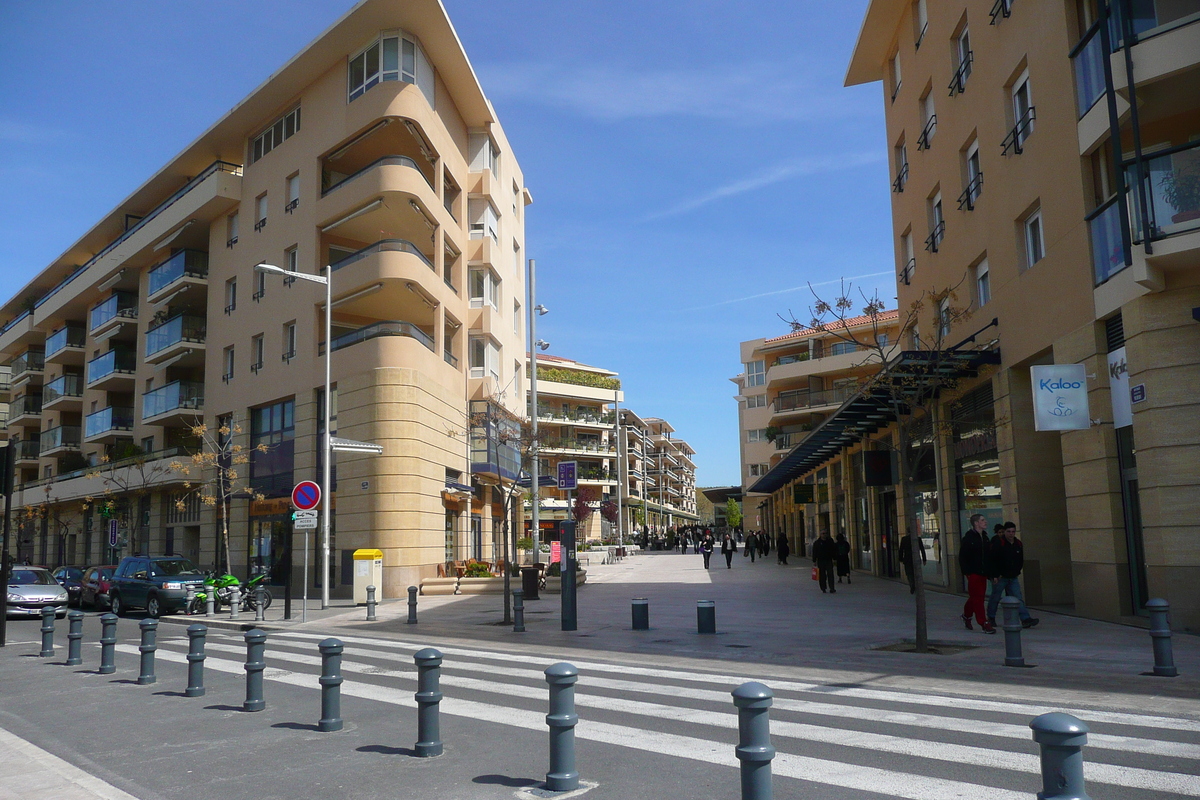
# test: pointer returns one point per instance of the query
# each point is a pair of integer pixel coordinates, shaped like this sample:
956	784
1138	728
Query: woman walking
782	548
843	558
706	549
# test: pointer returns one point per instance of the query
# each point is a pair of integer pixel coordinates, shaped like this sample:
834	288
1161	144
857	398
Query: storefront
976	460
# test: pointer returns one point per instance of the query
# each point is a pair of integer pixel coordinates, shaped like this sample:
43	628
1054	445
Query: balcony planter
491	585
554	584
436	586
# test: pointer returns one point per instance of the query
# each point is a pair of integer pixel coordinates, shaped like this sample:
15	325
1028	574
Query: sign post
305	497
568	480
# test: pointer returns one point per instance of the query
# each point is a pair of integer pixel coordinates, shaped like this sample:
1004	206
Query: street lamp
535	344
326	478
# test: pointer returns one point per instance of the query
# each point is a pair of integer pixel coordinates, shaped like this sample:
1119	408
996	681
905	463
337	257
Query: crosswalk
848	736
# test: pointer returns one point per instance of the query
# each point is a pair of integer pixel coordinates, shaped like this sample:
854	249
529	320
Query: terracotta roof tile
884	316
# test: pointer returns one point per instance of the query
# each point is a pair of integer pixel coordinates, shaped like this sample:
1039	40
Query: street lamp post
327	471
534	311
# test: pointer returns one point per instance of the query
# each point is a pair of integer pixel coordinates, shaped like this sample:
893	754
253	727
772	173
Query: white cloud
788	290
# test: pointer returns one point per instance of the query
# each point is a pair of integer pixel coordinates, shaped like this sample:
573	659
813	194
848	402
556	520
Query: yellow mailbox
368	571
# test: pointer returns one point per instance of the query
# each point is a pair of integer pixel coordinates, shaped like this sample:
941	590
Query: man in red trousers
971	555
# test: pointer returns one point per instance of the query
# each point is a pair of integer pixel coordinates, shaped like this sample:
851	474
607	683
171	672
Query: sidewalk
27	772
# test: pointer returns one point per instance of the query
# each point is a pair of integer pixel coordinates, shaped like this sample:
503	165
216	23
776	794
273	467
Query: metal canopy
913	373
351	446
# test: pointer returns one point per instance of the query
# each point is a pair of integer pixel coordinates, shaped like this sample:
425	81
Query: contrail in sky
785	291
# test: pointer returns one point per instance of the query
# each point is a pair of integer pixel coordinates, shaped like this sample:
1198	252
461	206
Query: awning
915	374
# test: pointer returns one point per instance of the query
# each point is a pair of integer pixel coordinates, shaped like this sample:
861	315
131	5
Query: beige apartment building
1046	162
374	151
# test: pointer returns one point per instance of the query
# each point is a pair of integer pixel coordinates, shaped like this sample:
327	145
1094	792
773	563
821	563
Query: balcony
62	439
27	451
802	401
958	84
596	419
836	356
187	267
1087	62
383	246
923	141
120	307
179	335
906	275
333	181
966	200
1172	192
388	328
936	236
28	365
177	402
26	408
113	369
577	446
597	475
1166	42
64	393
108	424
65	345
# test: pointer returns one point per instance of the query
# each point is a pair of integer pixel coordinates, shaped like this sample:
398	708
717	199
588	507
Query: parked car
30	589
95	586
155	583
71	579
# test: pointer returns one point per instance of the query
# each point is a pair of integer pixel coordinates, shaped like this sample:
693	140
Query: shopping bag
815	574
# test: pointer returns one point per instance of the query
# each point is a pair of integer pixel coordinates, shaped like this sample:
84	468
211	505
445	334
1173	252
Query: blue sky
694	164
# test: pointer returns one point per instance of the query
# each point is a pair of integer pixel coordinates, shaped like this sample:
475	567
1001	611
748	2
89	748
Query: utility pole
621	482
7	465
534	489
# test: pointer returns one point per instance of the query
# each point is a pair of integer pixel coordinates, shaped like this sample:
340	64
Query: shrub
477	570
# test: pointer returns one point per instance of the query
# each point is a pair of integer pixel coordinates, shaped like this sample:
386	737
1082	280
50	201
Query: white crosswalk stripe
382	671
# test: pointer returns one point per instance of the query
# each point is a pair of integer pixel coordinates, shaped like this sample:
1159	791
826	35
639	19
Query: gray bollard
371	604
562	776
74	638
1160	638
146	648
235	601
518	611
706	616
191	595
255	645
210	601
195	659
47	632
429	695
108	643
331	685
641	614
412	605
754	750
1012	632
260	598
1061	738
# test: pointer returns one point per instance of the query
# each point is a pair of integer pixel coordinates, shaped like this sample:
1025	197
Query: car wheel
153	610
115	605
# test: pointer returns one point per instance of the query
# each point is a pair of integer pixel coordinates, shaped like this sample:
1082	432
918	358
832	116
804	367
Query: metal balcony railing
383	245
119	304
1001	9
401	161
389	328
178	329
936	236
175	396
958	83
1015	141
906	274
793	401
927	134
901	178
969	195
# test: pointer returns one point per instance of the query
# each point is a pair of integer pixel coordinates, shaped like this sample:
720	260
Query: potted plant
1181	189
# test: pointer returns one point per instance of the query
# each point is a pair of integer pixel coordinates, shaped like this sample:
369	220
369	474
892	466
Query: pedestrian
972	560
782	548
751	548
1007	560
728	548
764	543
824	554
706	549
843	558
906	558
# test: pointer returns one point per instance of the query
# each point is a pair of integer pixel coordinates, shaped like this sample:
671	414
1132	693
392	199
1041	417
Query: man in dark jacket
824	554
1007	561
906	560
971	562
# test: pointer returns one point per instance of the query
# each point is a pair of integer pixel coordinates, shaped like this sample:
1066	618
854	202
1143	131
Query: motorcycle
221	588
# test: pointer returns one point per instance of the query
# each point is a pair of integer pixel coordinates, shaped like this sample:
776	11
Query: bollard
429	695
191	596
371	604
260	610
706	616
47	632
1012	632
74	638
641	614
562	776
255	645
108	643
1160	638
210	601
412	605
754	750
147	647
518	611
235	601
331	685
195	659
1061	738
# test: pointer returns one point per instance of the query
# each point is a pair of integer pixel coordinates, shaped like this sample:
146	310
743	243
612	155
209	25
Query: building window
756	401
291	261
758	470
983	283
484	358
484	288
228	361
974	176
230	295
897	80
484	220
756	373
1022	109
962	61
944	319
900	153
757	435
909	267
289	341
293	193
280	130
260	212
841	348
920	21
516	318
485	155
231	229
928	122
257	350
394	56
260	286
275	427
937	224
1035	245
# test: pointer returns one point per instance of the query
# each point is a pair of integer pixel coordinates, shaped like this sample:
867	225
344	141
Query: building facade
373	151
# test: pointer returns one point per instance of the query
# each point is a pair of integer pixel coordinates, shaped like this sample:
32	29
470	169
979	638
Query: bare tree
127	474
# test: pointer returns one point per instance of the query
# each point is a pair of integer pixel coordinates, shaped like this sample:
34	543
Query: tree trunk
914	549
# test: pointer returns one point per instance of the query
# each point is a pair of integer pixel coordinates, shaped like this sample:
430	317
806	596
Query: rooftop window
394	56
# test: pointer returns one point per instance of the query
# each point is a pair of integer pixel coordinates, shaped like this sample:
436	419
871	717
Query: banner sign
1060	401
1118	382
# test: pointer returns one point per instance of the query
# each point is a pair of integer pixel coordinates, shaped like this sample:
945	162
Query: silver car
30	589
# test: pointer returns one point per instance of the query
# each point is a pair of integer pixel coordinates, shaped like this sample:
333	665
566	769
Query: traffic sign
304	520
567	474
306	495
112	533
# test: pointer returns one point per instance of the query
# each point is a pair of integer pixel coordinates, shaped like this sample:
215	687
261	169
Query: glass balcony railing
114	361
62	386
1087	60
390	328
792	401
62	338
107	420
177	396
29	361
190	263
384	245
180	328
1172	192
1108	251
62	436
27	449
119	304
24	405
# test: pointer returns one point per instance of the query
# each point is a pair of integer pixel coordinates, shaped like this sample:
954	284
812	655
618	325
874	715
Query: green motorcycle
221	588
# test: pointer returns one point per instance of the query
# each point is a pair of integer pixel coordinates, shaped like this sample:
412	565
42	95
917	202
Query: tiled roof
850	322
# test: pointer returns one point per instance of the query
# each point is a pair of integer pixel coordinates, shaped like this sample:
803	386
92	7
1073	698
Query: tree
911	387
218	469
127	472
733	513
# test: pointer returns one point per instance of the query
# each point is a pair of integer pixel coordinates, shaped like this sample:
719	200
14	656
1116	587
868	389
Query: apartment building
788	385
373	151
1044	163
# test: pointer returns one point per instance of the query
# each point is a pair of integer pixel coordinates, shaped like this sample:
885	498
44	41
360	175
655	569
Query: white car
30	589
